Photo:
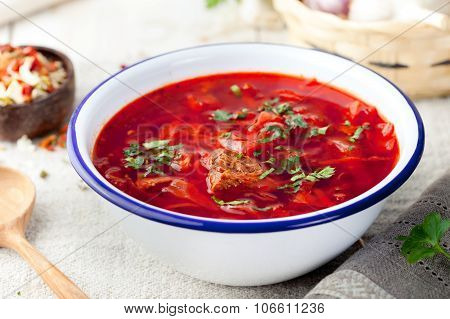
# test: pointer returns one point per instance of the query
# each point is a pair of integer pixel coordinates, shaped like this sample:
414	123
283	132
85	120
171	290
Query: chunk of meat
149	182
228	169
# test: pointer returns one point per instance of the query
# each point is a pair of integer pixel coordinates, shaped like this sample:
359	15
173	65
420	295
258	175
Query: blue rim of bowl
232	226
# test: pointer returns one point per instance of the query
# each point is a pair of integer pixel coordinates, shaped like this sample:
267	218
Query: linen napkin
380	271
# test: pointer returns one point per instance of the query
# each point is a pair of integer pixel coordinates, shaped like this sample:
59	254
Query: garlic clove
371	10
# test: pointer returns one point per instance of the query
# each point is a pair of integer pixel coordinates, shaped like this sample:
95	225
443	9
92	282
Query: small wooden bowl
43	114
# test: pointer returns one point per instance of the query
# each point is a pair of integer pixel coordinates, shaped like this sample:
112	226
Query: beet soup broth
246	146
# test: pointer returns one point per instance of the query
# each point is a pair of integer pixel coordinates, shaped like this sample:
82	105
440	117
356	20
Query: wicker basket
417	60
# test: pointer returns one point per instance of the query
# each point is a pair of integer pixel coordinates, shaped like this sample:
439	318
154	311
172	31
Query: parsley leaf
257	153
152	156
268	105
134	162
278	132
295	121
424	239
271	160
241	115
236	90
324	173
155	144
221	202
222	116
266	173
276	107
357	134
347	123
283	108
315	131
298	179
132	150
293	164
226	135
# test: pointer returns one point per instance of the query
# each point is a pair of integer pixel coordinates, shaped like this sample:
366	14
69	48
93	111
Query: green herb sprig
424	239
152	156
294	121
315	131
224	116
297	179
274	106
236	90
266	173
277	132
357	134
221	202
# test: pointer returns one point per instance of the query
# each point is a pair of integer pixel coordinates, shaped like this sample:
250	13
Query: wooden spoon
17	196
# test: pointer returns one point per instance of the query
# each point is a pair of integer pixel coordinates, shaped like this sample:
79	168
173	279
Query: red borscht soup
246	146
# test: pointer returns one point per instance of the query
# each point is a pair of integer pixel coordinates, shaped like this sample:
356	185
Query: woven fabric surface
379	271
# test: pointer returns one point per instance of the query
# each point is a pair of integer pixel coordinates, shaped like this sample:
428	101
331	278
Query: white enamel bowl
245	253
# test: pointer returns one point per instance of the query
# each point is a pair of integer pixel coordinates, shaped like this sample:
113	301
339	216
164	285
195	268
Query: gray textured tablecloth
379	270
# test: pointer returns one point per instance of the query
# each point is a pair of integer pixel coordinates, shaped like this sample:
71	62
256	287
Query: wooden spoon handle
62	286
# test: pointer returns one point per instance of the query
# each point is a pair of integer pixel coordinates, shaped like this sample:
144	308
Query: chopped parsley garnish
236	90
268	105
315	131
295	120
274	106
221	202
156	144
271	160
134	162
257	153
266	173
295	187
297	179
132	150
278	132
347	123
152	156
293	164
357	134
241	115
226	135
324	173
222	116
283	108
424	239
239	155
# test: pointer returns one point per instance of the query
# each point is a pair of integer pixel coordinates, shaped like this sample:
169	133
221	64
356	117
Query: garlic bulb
371	10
